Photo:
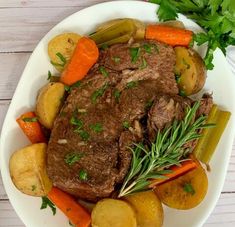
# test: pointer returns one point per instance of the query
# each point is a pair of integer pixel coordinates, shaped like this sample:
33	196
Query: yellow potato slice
64	44
113	213
186	191
190	70
28	170
48	103
148	209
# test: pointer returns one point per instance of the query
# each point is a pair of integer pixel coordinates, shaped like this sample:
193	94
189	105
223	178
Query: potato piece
186	191
113	213
190	70
63	44
28	170
48	103
148	209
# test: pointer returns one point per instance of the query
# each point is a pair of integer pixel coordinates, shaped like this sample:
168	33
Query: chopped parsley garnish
116	59
182	93
83	176
67	88
97	127
75	121
177	77
47	203
103	71
70	88
49	75
83	134
135	53
143	64
189	188
104	46
126	124
98	93
132	84
186	63
34	187
30	119
117	95
72	158
149	104
62	59
147	48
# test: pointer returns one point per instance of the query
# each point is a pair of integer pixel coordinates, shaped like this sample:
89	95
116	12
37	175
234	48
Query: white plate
220	81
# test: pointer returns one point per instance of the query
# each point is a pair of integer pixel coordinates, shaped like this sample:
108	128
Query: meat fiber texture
110	107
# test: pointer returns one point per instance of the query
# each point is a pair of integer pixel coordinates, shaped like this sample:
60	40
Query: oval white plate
220	81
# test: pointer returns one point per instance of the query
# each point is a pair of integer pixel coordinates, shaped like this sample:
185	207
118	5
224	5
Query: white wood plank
223	214
22	31
46	3
8	217
11	68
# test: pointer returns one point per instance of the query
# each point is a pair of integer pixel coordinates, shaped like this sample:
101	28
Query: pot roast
131	92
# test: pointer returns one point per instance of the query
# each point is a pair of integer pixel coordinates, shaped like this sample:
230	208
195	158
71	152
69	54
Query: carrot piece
84	57
169	35
31	127
177	171
74	211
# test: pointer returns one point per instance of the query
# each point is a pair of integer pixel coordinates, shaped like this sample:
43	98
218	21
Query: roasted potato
186	191
64	44
113	213
28	170
48	103
190	70
148	209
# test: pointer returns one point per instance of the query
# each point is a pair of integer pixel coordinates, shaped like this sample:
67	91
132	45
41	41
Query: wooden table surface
22	24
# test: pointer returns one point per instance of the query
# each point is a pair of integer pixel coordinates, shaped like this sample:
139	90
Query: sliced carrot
84	57
177	171
31	127
74	211
169	35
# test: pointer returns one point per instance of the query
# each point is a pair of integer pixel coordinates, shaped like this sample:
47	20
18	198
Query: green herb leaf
117	95
67	88
189	188
83	134
132	84
72	158
182	93
97	127
49	75
61	58
103	71
126	124
104	46
83	175
98	93
167	11
47	203
147	48
75	121
30	119
144	64
34	187
149	104
135	53
177	77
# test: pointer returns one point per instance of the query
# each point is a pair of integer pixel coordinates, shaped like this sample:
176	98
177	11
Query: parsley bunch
216	17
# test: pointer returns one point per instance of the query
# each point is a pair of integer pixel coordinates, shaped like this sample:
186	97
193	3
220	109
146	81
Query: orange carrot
84	57
32	129
74	211
177	171
169	35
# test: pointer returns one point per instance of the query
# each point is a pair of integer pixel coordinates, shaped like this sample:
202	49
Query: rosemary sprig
167	150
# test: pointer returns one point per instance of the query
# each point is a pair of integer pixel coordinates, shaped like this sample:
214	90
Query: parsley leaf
97	127
47	203
98	93
135	53
83	175
126	124
103	71
49	75
30	119
116	59
72	158
167	11
117	95
189	188
131	84
62	60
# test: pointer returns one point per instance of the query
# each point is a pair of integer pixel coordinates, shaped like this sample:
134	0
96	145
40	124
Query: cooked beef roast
88	154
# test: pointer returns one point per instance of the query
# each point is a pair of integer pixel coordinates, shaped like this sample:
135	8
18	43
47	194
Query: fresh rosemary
151	162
